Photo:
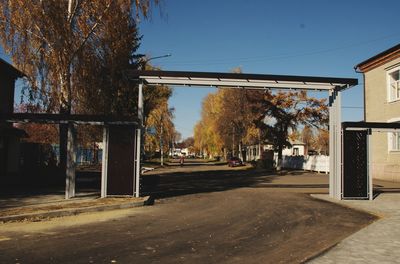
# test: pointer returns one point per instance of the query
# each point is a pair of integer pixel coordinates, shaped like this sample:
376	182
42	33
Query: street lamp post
143	63
139	133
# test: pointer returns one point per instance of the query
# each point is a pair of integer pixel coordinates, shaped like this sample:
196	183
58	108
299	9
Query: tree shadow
174	184
41	188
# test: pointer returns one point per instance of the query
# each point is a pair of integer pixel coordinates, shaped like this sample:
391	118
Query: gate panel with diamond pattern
355	164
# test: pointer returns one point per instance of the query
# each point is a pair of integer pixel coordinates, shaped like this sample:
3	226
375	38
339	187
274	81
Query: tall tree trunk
65	108
279	165
225	154
65	104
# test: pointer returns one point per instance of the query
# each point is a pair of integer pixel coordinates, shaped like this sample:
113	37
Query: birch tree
49	39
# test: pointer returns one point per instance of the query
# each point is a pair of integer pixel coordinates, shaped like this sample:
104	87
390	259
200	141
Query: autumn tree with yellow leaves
207	140
232	117
227	123
161	127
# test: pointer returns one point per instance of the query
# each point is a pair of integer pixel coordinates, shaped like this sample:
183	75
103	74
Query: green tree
282	112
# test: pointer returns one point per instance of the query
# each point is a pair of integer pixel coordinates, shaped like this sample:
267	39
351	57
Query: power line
353	107
262	58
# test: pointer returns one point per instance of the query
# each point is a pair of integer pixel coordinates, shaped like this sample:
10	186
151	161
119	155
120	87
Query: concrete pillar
138	141
335	145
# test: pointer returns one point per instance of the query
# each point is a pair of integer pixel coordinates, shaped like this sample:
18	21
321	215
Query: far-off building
382	104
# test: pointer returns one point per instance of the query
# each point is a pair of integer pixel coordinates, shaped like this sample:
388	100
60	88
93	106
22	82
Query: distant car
234	161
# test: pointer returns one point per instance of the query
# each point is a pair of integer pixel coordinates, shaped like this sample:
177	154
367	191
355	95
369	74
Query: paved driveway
377	243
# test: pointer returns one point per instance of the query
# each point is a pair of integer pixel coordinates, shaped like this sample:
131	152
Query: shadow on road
42	192
171	184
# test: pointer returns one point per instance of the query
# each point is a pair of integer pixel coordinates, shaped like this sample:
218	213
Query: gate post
335	145
104	162
138	141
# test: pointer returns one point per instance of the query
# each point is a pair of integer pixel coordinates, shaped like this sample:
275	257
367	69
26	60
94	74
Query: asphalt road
194	222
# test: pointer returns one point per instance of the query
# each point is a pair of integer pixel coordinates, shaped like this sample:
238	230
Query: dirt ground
67	205
201	215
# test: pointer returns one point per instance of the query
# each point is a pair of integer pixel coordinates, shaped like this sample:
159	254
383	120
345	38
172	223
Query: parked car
234	161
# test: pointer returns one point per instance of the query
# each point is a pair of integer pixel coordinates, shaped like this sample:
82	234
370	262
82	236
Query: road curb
34	217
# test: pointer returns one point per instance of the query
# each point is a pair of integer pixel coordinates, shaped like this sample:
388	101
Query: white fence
317	163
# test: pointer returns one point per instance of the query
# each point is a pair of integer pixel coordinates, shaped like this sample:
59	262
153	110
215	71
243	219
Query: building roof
66	118
10	131
296	142
374	126
10	70
379	59
242	80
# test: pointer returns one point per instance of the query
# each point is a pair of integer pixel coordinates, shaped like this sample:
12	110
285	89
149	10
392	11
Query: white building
254	152
297	149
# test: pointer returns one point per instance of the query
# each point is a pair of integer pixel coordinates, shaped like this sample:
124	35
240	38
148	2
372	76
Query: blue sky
309	37
314	37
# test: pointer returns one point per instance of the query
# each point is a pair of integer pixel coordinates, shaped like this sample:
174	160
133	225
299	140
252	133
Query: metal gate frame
333	85
369	127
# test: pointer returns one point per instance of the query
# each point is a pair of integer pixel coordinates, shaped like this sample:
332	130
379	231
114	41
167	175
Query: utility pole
240	150
233	141
161	142
259	145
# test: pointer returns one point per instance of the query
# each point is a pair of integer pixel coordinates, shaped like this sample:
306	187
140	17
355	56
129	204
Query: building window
295	151
394	84
394	138
395	141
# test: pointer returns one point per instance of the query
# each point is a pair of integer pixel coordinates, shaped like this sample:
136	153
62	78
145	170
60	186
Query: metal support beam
369	167
138	141
335	145
71	162
104	167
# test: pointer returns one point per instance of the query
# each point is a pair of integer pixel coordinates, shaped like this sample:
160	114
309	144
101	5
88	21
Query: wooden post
71	162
